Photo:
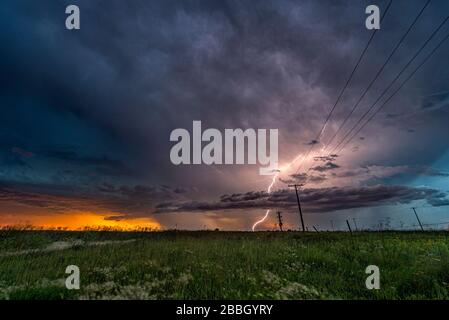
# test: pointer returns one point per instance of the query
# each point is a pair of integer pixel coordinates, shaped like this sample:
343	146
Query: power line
396	91
344	87
392	83
379	72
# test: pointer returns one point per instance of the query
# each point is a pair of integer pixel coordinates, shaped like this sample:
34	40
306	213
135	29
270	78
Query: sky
87	114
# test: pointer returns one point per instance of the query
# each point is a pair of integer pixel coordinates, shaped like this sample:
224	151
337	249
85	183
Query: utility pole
332	224
417	218
315	229
280	220
349	226
299	204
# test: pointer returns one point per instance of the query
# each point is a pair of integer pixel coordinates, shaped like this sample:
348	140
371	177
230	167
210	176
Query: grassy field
223	265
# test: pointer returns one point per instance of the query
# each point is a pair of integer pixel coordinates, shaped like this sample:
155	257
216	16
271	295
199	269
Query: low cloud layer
332	174
313	200
125	201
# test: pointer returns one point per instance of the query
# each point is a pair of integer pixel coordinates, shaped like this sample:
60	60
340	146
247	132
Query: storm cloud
87	114
314	200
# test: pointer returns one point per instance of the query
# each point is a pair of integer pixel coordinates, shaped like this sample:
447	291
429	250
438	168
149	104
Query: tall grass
223	265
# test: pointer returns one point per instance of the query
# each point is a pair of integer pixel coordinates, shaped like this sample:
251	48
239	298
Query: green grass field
223	265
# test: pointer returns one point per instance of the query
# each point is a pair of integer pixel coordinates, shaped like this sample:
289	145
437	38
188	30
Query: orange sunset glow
78	221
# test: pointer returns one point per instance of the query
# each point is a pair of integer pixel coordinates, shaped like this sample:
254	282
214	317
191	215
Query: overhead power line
365	49
391	83
396	91
379	72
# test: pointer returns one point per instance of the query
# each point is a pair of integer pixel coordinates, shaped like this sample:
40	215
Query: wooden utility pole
349	226
417	218
280	220
299	205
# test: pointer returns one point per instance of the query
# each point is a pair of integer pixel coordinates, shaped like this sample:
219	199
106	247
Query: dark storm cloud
228	63
202	56
317	178
13	160
303	178
368	172
141	192
360	175
331	158
428	171
314	200
22	152
102	163
116	218
436	100
97	105
299	178
128	200
439	202
311	143
326	167
51	201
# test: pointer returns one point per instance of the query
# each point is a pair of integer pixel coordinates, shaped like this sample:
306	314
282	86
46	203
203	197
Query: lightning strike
273	181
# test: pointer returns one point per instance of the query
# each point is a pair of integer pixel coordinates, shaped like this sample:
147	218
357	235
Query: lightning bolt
286	167
261	220
273	181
